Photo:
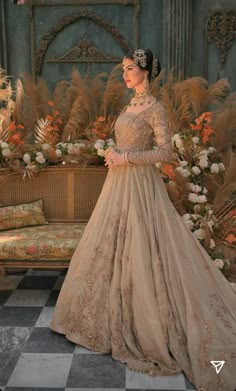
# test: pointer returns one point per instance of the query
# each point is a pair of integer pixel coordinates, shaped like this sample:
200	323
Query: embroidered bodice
138	133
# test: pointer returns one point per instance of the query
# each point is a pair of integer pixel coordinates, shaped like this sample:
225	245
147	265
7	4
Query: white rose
189	224
211	150
203	163
205	191
199	233
185	173
186	216
80	145
221	166
58	152
179	169
192	197
39	154
191	186
175	137
178	143
198	188
187	220
98	145
27	158
201	199
212	244
110	142
45	147
215	168
183	163
71	150
4	145
219	263
158	164
6	152
101	152
195	140
203	154
100	141
196	170
40	159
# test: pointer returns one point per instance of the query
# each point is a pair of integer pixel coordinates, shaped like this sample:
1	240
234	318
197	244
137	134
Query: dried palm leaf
45	133
217	92
114	94
45	93
59	97
77	121
155	85
224	193
19	102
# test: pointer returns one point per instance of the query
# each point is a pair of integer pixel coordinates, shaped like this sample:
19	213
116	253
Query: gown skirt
141	287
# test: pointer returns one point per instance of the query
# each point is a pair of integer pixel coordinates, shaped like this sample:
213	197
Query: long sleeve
158	120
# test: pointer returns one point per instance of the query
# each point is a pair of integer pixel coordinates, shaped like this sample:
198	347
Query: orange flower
230	238
12	126
49	118
50	102
196	127
206	133
169	171
20	126
15	139
101	119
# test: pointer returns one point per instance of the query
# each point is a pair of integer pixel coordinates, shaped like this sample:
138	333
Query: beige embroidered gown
139	284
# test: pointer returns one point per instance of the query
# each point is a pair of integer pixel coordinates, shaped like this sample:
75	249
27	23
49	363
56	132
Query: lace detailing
145	129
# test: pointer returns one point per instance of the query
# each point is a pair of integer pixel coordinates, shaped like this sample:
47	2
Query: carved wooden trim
69	19
85	52
37	56
221	30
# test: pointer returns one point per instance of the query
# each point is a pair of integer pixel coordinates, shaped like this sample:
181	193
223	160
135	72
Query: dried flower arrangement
74	126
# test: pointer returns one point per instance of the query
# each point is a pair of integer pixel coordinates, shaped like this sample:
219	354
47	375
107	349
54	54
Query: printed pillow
23	215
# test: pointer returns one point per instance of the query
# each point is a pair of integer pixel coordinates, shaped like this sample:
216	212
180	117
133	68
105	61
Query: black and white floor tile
33	358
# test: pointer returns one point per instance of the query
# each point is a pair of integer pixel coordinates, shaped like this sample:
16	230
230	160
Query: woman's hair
145	60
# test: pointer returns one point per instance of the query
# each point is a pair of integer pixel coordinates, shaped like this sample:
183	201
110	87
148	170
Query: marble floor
33	358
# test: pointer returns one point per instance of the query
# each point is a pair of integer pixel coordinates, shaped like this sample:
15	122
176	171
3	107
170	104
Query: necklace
141	98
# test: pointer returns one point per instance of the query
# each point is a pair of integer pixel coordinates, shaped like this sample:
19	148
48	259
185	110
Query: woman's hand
113	158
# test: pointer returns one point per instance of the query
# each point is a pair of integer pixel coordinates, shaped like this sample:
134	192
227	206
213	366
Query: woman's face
133	75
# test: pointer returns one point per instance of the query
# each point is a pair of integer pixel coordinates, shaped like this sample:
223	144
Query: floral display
74	126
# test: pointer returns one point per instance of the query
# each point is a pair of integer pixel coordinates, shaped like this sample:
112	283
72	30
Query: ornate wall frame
220	29
37	53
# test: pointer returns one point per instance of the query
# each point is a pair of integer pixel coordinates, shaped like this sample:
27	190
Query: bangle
126	160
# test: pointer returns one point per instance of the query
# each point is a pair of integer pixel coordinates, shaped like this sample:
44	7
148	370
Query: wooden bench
69	194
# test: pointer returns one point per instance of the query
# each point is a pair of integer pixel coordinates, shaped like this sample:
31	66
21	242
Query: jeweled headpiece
140	58
154	68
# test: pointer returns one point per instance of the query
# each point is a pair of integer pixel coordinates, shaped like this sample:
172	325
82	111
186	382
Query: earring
146	83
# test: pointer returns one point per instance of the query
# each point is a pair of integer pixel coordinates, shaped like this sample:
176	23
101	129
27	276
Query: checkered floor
34	358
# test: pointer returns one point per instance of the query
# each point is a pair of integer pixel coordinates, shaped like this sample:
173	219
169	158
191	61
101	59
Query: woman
139	284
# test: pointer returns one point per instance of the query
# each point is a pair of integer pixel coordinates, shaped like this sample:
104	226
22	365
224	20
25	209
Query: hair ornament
139	57
154	68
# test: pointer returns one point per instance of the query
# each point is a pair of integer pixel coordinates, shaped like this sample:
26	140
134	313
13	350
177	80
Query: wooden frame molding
38	51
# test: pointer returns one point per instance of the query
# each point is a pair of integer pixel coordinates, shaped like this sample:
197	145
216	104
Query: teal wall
16	58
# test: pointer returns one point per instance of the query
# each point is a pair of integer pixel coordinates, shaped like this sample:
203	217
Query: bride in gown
140	286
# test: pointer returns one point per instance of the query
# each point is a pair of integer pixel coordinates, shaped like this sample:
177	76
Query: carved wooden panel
86	50
221	30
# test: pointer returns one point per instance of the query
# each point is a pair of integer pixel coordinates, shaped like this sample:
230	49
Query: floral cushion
46	242
23	215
